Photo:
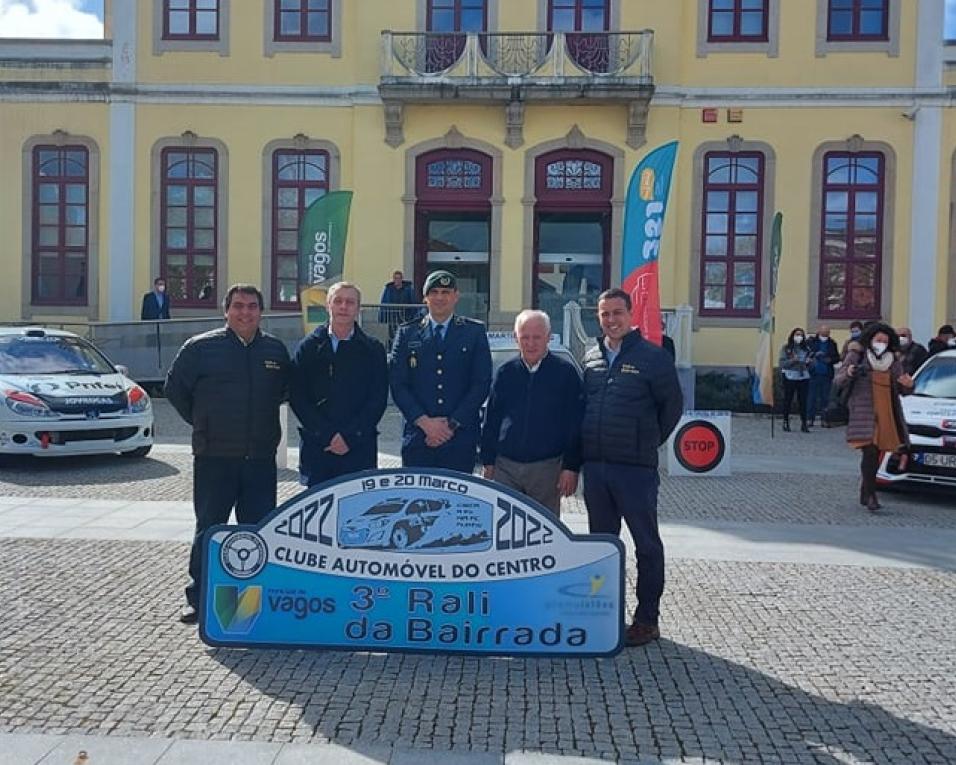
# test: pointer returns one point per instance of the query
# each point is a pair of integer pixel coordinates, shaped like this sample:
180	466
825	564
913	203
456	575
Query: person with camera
795	360
872	380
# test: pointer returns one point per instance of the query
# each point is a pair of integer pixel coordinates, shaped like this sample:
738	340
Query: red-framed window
190	19
572	232
573	177
853	20
453	177
189	218
456	16
737	20
298	179
851	247
579	15
731	234
60	235
303	20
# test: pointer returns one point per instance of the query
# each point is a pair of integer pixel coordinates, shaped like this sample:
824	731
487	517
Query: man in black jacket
632	404
228	384
530	437
338	390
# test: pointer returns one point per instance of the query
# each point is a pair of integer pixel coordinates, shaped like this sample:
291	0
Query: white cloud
48	18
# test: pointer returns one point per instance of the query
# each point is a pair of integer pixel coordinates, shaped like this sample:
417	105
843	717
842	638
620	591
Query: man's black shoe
641	634
189	615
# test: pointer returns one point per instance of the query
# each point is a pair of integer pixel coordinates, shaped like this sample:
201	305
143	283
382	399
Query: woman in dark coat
876	420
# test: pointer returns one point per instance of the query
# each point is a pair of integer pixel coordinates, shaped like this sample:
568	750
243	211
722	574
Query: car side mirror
122	369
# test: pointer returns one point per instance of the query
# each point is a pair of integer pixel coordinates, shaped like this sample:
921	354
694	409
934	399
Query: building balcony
515	69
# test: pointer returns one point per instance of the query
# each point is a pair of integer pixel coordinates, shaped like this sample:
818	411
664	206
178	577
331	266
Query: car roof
34	332
943	355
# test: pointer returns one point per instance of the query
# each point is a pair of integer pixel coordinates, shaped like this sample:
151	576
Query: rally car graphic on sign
420	523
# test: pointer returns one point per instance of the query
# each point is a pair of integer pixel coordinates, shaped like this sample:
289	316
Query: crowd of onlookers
808	365
860	385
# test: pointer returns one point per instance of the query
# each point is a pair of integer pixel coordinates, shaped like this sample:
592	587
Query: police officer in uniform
440	373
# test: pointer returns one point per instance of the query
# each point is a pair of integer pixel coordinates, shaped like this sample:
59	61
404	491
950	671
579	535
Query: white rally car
59	395
930	412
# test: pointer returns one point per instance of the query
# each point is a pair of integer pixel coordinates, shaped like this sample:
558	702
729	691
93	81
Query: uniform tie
440	332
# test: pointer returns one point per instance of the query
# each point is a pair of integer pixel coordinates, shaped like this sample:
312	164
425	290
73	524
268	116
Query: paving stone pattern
759	663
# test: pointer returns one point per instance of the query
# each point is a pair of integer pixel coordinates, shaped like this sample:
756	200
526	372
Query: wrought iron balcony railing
532	55
514	69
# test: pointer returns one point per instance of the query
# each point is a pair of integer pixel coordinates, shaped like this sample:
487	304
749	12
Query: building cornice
368	95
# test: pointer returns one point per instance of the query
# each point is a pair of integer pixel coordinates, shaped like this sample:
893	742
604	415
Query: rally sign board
700	444
413	560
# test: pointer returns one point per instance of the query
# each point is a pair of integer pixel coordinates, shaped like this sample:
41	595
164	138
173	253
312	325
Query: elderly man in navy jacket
530	437
632	404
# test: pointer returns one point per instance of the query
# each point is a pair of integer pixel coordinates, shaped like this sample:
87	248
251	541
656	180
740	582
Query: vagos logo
699	446
320	255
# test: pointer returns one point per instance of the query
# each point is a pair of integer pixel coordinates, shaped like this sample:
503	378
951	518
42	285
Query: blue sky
52	18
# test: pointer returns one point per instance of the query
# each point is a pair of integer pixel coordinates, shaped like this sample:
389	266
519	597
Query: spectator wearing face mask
912	355
856	331
876	421
825	356
795	360
945	340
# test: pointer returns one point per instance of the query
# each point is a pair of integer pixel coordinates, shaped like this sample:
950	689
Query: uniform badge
412	361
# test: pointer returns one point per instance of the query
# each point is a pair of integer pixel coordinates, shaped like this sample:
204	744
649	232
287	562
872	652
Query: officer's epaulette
459	320
409	323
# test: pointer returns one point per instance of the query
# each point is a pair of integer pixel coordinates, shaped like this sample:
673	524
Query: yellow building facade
495	138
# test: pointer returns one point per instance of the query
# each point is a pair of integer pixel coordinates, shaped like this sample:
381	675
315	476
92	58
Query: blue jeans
819	395
613	492
219	484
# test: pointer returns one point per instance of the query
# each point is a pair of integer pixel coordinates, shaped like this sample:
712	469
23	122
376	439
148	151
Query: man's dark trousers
615	491
458	454
219	484
819	395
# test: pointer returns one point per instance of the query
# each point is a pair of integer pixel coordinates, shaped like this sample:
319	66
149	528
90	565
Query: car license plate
939	460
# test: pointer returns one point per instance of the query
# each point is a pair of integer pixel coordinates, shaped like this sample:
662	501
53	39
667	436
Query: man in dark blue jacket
397	292
530	437
338	390
440	372
632	404
155	303
228	384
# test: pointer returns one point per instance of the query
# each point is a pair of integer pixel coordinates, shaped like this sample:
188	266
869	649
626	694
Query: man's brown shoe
641	634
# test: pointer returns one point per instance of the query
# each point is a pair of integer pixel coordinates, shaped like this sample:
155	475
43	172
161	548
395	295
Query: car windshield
50	354
386	508
937	378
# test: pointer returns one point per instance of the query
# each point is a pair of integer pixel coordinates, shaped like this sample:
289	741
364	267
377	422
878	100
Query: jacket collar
630	339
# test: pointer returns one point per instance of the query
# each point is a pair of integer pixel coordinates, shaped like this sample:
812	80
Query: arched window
572	230
453	223
299	177
851	247
60	231
732	234
189	225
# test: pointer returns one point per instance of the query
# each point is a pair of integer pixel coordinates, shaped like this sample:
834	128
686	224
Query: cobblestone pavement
760	662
